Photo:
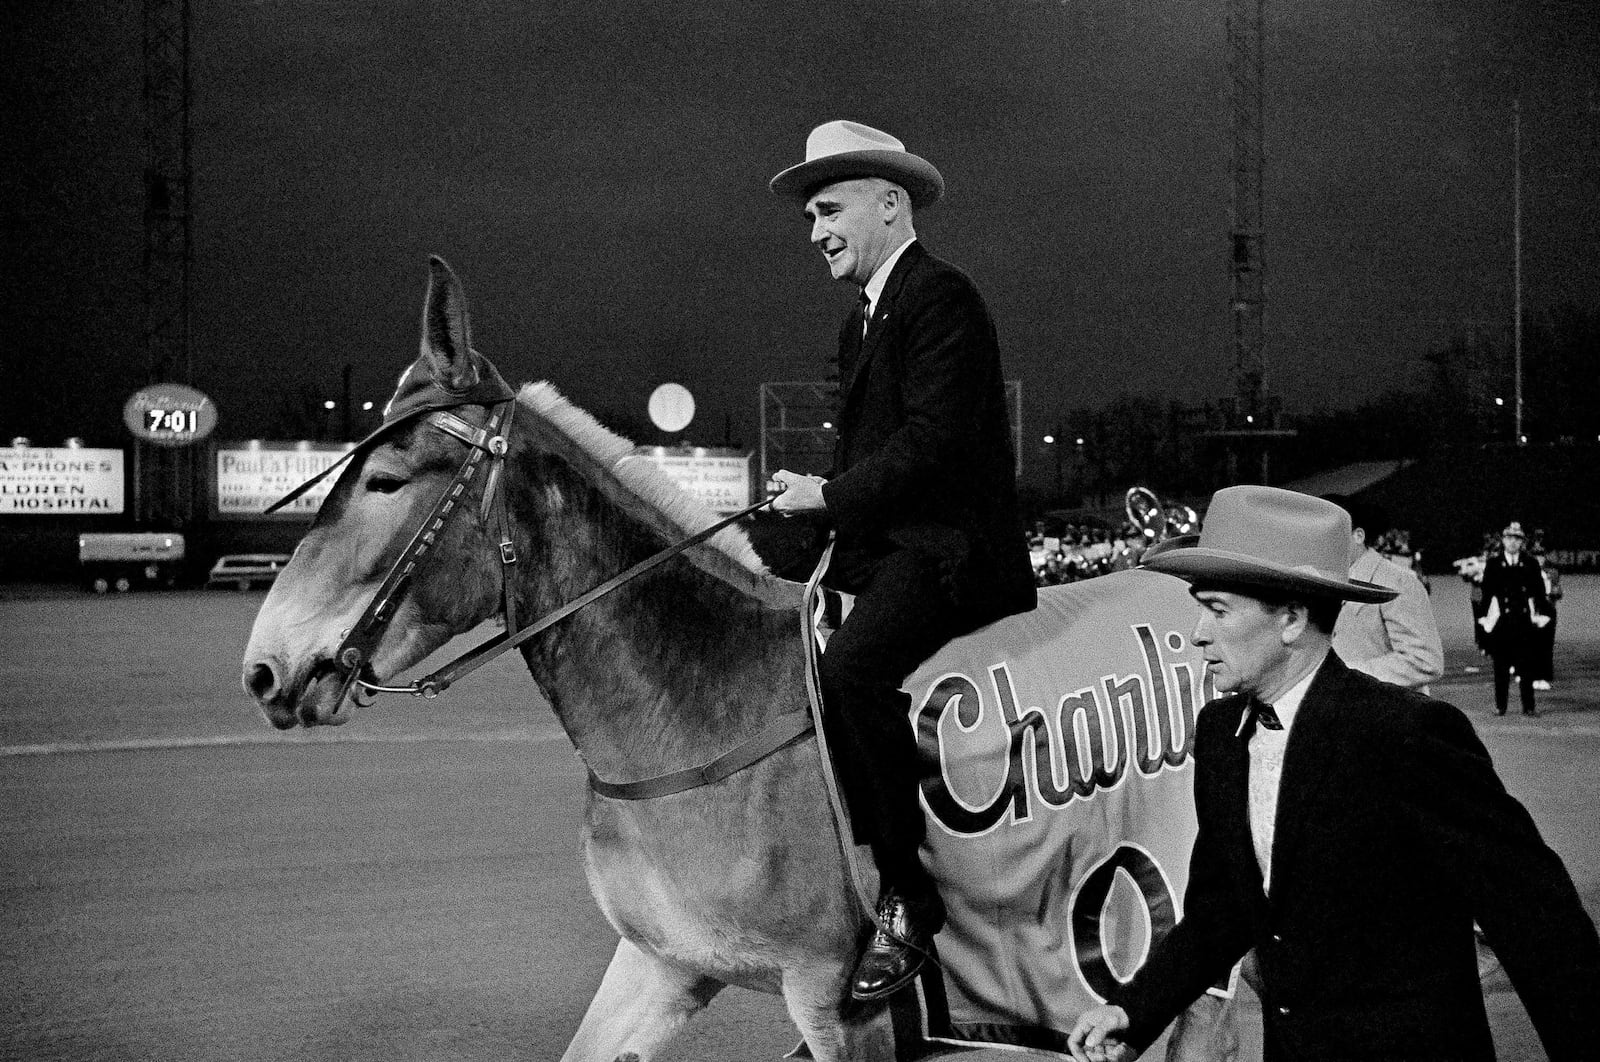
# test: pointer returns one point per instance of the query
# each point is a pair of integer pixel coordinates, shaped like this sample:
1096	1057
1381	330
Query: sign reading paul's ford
250	476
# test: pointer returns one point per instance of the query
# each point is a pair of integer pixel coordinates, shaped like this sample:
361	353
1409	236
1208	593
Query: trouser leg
1502	681
1525	687
900	618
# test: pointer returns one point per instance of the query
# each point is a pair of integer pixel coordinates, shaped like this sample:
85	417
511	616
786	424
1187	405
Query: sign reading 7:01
170	415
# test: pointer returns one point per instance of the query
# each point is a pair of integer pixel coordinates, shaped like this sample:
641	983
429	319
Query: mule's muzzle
319	701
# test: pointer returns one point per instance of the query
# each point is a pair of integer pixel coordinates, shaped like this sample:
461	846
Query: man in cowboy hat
1396	640
1515	604
921	497
1350	830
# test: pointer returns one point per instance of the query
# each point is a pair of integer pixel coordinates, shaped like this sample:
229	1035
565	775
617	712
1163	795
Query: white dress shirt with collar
874	286
1266	772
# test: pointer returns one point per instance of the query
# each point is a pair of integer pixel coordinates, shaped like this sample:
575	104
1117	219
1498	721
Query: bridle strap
356	649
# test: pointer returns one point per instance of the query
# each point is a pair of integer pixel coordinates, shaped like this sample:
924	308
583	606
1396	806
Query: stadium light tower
1252	423
167	474
1245	19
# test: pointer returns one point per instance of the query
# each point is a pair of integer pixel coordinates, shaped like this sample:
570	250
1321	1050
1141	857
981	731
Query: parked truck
121	561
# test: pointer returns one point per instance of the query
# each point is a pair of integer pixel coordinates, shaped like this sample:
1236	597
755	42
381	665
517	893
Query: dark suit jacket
1393	834
1519	590
924	460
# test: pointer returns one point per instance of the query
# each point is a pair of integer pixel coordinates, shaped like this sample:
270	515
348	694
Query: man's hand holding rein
801	493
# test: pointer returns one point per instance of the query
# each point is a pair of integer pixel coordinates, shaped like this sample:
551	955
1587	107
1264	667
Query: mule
741	882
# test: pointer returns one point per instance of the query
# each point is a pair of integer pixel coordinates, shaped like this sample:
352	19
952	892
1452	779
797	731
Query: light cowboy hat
1270	539
1513	530
841	150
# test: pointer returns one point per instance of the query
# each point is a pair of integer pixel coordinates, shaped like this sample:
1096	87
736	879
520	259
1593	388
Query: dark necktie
866	312
1259	713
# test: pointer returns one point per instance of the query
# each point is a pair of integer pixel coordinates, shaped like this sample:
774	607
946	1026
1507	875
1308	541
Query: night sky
597	174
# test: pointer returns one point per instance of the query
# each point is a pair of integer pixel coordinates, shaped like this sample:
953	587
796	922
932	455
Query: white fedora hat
1271	539
840	150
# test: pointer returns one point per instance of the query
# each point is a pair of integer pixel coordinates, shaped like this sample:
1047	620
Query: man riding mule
922	498
708	839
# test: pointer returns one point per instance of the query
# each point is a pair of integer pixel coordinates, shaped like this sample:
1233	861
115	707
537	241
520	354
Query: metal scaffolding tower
797	429
1251	424
797	426
166	475
1245	18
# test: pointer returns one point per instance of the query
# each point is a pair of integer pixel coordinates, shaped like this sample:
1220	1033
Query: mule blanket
1056	777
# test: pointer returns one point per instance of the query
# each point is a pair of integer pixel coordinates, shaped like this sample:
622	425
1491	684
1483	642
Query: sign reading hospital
718	478
57	482
251	476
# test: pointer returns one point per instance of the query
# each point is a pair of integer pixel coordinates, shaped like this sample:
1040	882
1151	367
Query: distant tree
1467	375
630	426
1561	377
299	415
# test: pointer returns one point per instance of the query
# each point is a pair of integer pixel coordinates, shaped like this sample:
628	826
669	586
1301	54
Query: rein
360	642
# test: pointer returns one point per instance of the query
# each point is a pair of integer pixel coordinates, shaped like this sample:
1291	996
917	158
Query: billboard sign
69	481
719	478
249	477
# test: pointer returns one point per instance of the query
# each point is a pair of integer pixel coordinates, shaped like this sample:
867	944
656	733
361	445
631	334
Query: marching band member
1515	607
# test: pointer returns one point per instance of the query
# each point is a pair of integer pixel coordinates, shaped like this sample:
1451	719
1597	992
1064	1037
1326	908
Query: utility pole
1516	253
345	398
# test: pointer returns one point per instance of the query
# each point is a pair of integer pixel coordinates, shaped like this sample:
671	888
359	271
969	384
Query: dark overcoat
1393	834
1517	589
924	459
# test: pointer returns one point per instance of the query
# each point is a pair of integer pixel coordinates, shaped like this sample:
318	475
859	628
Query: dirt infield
182	882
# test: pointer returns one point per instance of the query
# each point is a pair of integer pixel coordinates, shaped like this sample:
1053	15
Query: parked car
121	561
242	571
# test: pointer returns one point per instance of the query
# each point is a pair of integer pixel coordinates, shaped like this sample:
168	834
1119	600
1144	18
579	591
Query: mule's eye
378	483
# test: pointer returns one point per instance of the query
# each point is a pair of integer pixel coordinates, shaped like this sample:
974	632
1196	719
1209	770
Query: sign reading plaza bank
251	476
719	478
70	481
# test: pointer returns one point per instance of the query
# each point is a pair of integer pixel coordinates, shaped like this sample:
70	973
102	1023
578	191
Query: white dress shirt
1266	773
880	277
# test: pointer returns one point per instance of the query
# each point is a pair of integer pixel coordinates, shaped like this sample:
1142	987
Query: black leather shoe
895	953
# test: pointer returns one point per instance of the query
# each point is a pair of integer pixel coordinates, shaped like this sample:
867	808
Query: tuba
1157	520
1182	520
1147	513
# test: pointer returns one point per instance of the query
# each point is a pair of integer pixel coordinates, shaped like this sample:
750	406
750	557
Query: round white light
671	407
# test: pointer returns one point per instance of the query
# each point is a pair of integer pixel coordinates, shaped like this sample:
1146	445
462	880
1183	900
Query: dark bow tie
1258	713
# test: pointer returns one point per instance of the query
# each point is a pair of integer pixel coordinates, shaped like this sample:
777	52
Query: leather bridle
359	643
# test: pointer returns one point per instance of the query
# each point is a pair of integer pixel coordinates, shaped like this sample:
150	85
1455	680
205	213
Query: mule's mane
639	486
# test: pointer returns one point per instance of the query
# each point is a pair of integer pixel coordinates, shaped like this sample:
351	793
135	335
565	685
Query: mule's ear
446	336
